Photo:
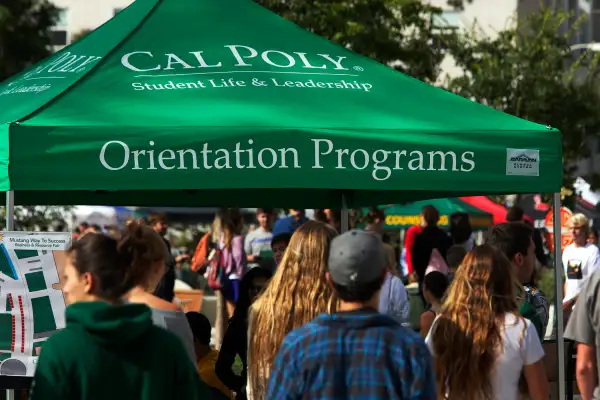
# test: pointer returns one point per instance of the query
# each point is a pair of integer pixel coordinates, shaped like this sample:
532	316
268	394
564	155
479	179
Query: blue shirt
356	355
287	225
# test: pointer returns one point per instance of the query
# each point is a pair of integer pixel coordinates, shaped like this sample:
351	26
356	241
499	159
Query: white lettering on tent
201	62
223	160
66	63
125	61
262	160
291	61
240	60
173	59
166	155
125	155
379	158
377	163
307	63
82	66
242	56
68	60
337	62
467	158
442	157
319	153
354	159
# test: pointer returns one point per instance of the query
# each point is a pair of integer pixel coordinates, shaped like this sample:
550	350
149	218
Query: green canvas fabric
185	102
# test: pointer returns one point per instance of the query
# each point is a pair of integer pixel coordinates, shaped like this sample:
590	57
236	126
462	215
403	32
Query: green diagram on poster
32	306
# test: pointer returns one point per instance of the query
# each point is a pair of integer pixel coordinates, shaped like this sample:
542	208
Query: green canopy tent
187	102
403	216
221	102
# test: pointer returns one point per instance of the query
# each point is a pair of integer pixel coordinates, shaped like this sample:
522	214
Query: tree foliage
35	218
79	35
24	33
530	71
399	33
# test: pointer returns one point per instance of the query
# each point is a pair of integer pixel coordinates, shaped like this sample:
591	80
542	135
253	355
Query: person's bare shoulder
426	321
154	302
161	304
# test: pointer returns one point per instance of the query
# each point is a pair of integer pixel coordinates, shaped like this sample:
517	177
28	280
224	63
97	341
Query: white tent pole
10	226
10	211
558	295
345	221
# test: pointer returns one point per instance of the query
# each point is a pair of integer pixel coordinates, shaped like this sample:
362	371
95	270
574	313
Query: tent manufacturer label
522	162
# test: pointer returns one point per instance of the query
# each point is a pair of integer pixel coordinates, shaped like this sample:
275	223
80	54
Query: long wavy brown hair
468	335
296	294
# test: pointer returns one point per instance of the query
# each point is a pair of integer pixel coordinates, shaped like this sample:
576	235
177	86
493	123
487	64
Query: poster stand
11	383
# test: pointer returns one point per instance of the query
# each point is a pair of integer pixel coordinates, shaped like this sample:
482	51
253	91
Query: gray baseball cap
356	258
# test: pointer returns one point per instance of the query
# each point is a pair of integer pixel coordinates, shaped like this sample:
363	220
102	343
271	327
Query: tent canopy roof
245	103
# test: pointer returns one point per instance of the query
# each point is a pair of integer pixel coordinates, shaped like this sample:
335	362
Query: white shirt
521	346
579	263
393	299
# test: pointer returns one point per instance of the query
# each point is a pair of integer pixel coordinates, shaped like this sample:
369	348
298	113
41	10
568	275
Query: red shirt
409	240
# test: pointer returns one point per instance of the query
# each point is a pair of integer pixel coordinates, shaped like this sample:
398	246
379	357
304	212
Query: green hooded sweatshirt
112	352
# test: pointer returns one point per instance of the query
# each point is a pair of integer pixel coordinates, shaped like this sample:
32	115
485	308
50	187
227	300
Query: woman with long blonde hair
480	343
295	296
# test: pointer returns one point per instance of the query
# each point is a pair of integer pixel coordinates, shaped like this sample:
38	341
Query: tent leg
345	222
10	211
558	295
10	394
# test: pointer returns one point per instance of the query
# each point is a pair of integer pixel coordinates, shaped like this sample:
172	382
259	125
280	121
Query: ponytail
141	248
118	266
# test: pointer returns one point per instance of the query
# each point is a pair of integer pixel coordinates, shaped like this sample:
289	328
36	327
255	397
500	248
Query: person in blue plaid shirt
355	353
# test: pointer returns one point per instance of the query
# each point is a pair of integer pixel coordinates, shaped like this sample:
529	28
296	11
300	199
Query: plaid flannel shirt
352	355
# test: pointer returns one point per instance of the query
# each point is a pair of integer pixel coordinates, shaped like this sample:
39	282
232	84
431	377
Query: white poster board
32	306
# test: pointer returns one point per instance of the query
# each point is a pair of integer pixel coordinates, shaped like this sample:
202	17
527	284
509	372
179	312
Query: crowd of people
307	312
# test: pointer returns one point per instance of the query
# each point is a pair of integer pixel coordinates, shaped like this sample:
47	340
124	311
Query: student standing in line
434	290
515	241
292	222
235	341
580	259
165	289
454	257
165	314
206	356
480	342
297	293
356	352
257	244
279	245
110	349
584	328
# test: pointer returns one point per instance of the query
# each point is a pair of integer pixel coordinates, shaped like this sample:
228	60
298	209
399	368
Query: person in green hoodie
110	349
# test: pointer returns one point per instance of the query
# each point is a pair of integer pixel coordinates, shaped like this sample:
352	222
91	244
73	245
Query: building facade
486	17
78	16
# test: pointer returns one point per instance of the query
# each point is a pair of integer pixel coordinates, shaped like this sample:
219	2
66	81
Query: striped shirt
352	355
